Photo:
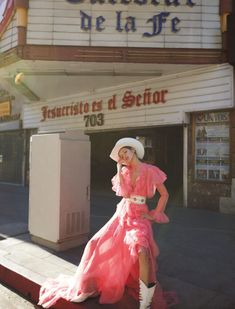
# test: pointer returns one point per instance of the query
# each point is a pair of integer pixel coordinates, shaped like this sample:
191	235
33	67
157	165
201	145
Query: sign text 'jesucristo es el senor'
92	112
129	23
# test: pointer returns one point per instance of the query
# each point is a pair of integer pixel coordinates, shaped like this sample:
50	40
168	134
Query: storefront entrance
163	147
11	156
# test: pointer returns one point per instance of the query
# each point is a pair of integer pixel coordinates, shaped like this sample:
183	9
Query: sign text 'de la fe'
129	24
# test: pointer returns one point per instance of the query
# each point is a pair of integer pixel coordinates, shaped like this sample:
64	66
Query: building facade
161	71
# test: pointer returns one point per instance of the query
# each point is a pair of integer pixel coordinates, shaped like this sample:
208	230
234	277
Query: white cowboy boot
151	291
143	294
146	295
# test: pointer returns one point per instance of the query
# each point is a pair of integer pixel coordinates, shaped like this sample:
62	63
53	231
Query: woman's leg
144	266
146	289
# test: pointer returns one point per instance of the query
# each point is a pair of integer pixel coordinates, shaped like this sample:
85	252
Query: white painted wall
198	90
58	22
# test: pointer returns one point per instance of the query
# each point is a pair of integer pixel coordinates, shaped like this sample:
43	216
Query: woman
122	255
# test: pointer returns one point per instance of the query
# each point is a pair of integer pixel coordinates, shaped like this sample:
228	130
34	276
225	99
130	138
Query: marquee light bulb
18	78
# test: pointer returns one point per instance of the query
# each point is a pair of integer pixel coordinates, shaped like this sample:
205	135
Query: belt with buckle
137	199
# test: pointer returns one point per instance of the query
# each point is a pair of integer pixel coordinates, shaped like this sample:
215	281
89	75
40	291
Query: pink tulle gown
109	264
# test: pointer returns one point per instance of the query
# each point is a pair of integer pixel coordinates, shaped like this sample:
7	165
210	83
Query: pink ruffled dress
109	264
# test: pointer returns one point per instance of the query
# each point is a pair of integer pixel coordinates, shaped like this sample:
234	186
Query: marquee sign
129	23
92	112
6	12
139	2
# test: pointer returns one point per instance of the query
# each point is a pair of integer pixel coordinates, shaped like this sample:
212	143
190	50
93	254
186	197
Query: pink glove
159	217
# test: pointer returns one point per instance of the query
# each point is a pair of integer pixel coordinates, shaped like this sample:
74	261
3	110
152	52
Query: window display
212	146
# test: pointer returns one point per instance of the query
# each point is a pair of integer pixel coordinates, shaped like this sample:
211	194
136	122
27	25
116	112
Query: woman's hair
130	148
127	147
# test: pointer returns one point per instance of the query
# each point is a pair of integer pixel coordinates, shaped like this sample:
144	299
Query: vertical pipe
23	181
185	165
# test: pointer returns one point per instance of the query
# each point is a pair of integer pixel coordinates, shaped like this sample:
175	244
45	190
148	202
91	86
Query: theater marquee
128	24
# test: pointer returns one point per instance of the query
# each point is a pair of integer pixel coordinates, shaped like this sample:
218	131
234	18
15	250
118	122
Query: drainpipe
185	165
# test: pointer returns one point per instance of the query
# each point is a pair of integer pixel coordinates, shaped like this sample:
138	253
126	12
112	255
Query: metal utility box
59	201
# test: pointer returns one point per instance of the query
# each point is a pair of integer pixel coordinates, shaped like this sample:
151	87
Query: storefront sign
212	146
130	23
5	109
129	100
9	118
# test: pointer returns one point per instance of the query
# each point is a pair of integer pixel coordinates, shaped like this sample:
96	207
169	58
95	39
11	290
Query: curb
30	290
23	285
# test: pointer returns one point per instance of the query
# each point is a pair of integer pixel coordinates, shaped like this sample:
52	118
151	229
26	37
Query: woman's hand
119	167
154	216
148	217
159	217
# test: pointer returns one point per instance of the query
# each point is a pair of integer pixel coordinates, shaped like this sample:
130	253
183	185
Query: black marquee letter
99	1
99	22
174	22
190	3
85	21
155	2
140	2
170	2
75	1
157	23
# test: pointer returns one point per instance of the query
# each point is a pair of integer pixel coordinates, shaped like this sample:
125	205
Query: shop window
212	147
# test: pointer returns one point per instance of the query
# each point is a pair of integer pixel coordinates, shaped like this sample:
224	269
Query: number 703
94	120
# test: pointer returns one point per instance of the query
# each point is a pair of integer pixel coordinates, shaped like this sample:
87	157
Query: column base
62	245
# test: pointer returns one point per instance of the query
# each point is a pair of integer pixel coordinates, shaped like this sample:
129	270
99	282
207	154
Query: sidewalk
197	253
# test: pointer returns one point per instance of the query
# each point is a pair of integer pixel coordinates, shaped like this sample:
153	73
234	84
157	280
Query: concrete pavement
197	253
10	300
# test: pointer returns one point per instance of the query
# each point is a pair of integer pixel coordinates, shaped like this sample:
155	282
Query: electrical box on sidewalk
59	189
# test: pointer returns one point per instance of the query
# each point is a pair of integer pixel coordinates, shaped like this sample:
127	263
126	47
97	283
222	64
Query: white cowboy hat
127	142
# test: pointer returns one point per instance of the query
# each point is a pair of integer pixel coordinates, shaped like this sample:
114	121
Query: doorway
163	148
11	156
